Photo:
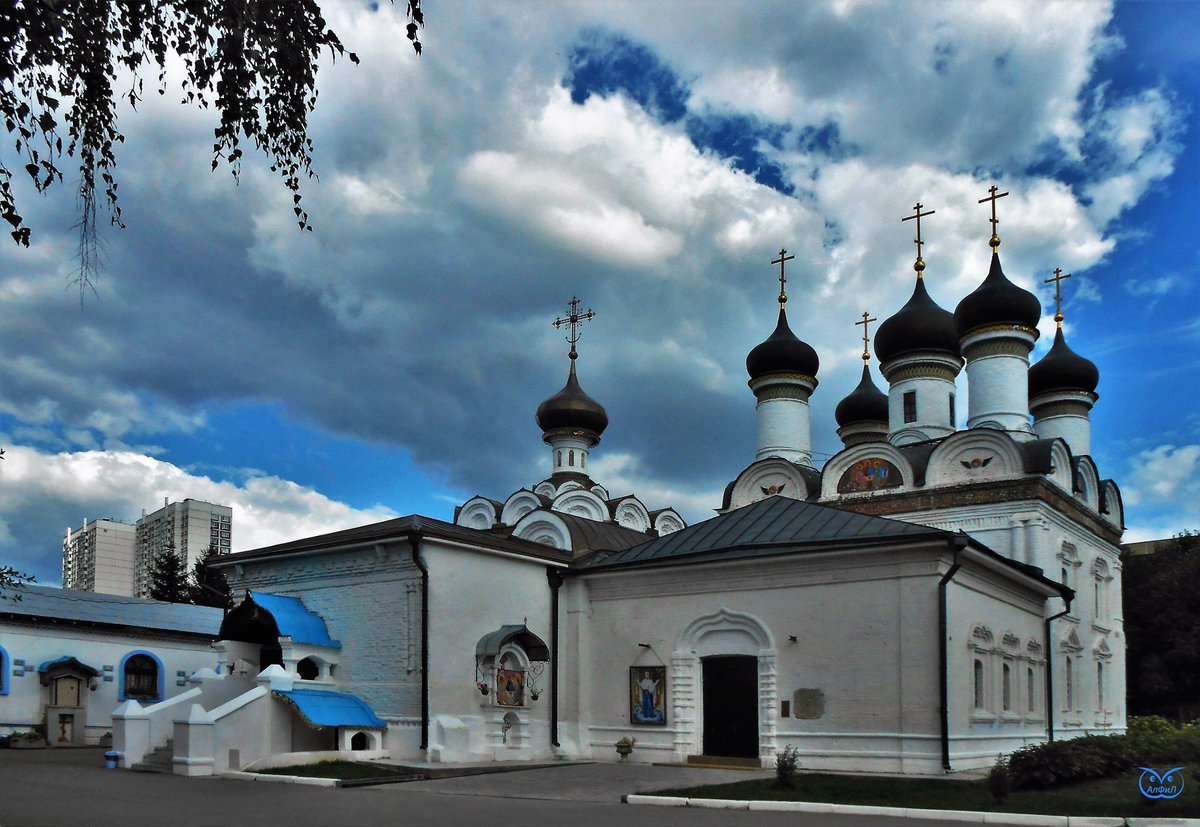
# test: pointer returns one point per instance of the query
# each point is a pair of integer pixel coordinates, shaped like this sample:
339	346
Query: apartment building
100	557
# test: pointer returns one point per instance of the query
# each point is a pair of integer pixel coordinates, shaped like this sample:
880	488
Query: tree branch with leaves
61	61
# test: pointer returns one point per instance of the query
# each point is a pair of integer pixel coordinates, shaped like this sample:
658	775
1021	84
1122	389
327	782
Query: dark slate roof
768	527
589	535
320	708
494	538
61	605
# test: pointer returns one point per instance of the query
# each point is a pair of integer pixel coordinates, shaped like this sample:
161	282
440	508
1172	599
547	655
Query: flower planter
22	743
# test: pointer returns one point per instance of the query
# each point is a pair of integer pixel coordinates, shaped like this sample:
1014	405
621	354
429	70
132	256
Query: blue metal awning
68	662
332	709
294	620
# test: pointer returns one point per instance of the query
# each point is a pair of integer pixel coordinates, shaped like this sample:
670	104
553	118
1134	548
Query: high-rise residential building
189	527
100	557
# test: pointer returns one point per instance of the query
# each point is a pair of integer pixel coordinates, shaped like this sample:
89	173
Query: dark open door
731	706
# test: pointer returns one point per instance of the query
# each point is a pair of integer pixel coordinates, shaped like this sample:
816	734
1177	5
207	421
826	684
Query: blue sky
651	162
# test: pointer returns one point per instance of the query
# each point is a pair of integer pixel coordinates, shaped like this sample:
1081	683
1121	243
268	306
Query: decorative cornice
921	370
1008	346
885	504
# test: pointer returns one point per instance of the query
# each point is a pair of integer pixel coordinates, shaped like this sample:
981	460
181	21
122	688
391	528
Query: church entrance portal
730	687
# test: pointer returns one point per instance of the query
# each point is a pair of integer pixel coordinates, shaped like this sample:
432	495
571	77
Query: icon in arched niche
871	474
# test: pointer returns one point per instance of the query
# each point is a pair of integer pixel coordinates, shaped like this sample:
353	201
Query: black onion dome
997	302
866	403
572	408
782	352
920	325
1062	369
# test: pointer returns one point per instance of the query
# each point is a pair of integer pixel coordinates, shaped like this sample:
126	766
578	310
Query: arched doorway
723	688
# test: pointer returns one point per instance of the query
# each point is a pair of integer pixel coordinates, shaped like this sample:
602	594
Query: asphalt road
71	787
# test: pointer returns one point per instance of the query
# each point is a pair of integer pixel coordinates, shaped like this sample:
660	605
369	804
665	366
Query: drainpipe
555	579
957	544
414	541
1050	670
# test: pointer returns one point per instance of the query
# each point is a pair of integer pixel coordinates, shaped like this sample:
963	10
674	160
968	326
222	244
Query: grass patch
1116	796
342	770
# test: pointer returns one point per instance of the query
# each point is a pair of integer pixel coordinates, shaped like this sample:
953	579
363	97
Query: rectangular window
1100	686
910	406
979	684
1032	695
1069	694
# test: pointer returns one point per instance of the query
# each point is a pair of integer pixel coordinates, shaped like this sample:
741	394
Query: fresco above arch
870	474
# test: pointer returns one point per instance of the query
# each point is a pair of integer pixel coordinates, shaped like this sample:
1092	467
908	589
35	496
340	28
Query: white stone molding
632	514
1087	483
668	521
581	503
518	505
600	491
723	632
842	461
570	485
546	489
477	512
974	456
1115	516
1062	473
765	478
543	527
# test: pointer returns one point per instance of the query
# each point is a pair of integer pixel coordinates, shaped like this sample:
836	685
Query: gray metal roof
590	535
46	603
767	527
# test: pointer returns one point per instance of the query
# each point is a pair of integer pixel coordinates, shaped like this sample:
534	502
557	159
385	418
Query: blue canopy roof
67	661
294	620
332	709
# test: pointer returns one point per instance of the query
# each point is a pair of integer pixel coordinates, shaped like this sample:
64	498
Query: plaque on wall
871	474
648	695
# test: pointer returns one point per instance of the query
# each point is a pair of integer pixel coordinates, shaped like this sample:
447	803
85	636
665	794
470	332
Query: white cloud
62	489
1167	473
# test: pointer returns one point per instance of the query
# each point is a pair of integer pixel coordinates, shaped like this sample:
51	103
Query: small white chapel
932	596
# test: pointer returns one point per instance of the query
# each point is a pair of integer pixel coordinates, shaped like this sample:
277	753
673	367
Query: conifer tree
168	577
208	586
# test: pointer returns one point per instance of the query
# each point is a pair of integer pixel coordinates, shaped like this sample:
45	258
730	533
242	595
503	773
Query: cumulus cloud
45	493
465	197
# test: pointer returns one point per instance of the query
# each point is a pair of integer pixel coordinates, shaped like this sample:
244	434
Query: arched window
359	741
1006	697
1100	586
141	677
1100	685
979	695
582	460
5	669
1031	696
308	670
571	458
560	458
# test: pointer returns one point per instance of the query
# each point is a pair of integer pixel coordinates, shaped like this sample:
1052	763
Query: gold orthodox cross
574	321
866	320
783	259
917	214
992	196
1058	280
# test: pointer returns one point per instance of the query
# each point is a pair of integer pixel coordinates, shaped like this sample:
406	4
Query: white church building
929	598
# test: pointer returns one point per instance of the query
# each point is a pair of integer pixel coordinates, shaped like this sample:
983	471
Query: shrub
1000	780
786	764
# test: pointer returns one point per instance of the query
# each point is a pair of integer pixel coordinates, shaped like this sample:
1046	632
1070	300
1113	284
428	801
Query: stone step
724	762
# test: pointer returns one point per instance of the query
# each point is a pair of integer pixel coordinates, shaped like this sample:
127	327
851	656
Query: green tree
168	577
1162	629
11	582
208	586
64	63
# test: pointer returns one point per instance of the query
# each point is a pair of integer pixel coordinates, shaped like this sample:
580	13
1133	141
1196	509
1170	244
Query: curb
280	779
1015	819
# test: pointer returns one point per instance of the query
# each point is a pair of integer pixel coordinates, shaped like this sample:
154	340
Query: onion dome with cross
997	301
1062	386
782	352
571	421
783	375
920	325
863	415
